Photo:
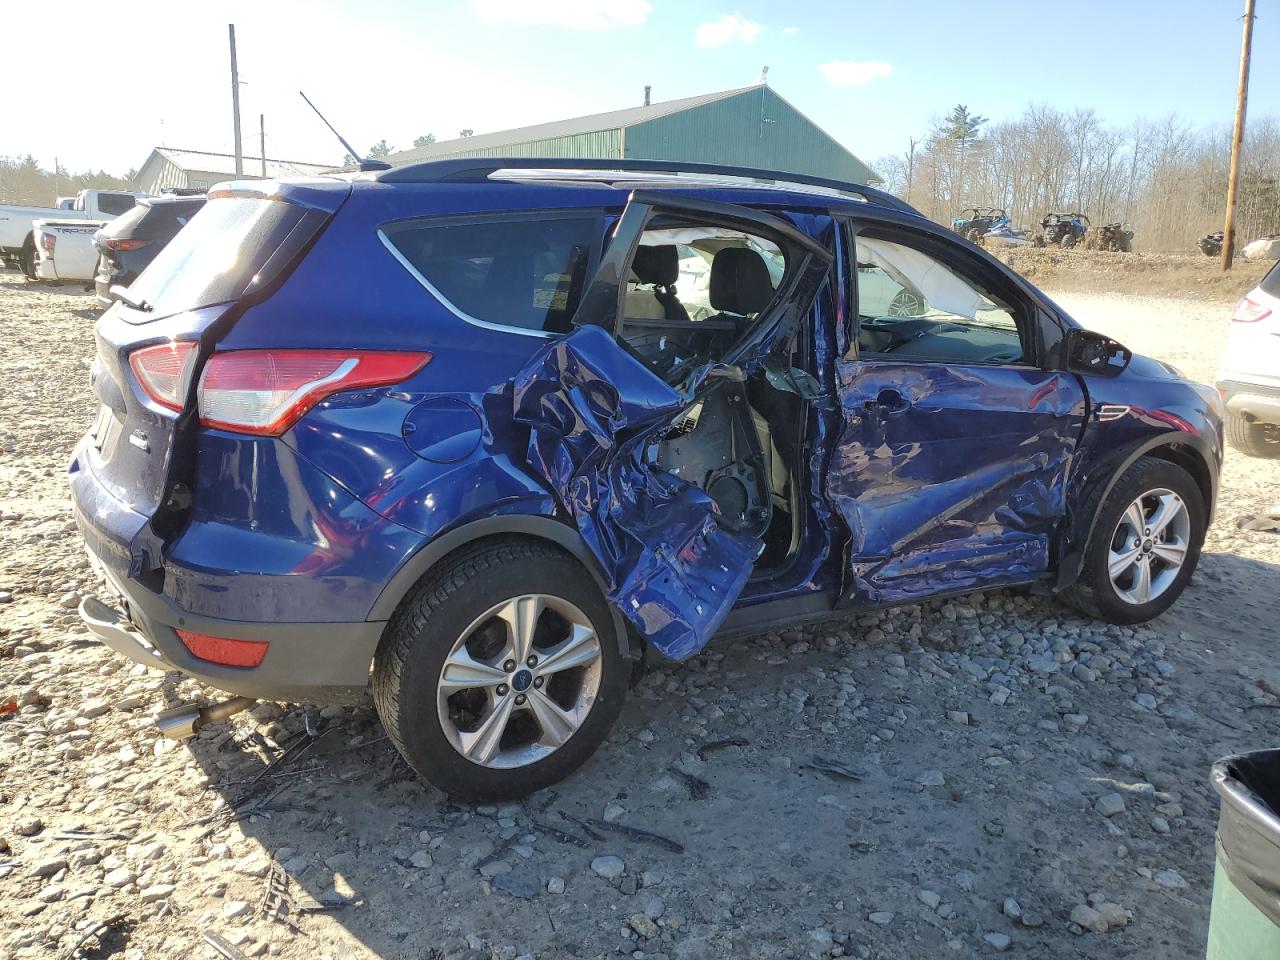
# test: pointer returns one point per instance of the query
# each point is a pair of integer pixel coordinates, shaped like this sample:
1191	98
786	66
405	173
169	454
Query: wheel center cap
521	680
1146	546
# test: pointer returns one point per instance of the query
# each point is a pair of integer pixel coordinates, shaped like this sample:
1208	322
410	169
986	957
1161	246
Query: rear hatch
232	253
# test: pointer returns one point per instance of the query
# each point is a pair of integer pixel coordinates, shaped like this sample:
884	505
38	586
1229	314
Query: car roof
800	189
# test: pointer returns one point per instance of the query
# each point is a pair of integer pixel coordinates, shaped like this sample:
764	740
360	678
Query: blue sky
872	74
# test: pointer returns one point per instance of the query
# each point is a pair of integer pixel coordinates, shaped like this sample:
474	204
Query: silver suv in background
1249	378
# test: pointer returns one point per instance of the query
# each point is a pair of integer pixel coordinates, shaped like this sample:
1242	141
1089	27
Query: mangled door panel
593	412
608	405
949	477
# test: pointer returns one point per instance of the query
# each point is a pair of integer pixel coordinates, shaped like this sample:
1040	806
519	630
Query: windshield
215	257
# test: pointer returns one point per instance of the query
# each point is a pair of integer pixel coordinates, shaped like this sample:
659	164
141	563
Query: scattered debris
724	744
832	768
698	788
222	946
632	833
96	930
277	903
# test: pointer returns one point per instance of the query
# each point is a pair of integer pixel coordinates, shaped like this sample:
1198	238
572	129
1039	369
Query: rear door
597	400
130	475
951	468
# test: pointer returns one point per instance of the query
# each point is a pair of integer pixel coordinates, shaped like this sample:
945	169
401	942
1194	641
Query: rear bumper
46	270
305	662
1255	402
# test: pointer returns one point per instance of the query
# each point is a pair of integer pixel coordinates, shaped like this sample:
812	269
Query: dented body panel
670	567
950	478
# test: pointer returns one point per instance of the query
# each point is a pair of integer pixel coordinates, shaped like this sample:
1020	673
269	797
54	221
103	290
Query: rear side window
217	255
114	204
1271	282
125	222
521	272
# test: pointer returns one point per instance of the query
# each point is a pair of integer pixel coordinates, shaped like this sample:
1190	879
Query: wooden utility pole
262	142
235	100
911	167
1237	138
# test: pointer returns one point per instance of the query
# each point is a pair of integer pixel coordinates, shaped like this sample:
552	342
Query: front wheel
1144	545
501	673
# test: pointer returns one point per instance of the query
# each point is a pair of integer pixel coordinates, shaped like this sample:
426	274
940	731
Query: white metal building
170	167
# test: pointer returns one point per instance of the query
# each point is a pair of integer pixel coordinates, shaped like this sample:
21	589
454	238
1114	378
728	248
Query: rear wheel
28	260
501	674
1252	438
1144	545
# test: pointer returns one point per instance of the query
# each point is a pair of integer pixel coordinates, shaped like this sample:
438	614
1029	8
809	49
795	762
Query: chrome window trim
448	305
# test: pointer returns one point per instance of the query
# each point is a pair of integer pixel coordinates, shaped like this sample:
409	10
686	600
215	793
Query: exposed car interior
694	291
912	306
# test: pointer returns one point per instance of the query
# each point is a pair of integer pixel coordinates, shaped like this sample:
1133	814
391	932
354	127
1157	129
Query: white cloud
571	14
854	73
790	31
730	27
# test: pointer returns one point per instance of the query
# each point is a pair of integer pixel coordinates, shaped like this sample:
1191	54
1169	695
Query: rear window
522	272
1271	282
124	223
166	217
216	256
114	204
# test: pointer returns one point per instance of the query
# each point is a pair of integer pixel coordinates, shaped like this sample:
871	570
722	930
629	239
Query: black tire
1093	593
28	260
1253	439
1068	241
422	632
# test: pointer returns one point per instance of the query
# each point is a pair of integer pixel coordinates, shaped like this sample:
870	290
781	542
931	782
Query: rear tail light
1249	311
47	240
265	392
162	372
221	650
114	243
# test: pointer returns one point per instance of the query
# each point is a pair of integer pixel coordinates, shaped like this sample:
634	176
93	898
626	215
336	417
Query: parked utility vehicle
17	235
450	432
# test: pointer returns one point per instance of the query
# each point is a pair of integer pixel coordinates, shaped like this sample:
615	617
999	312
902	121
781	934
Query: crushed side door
673	565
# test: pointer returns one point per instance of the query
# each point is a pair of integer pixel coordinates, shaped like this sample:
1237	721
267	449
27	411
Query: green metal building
750	127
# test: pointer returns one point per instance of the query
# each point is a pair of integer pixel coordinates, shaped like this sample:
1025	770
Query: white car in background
1249	378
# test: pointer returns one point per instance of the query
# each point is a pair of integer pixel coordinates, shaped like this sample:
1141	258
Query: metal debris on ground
724	744
631	833
832	768
1261	523
697	787
222	946
559	835
97	930
277	902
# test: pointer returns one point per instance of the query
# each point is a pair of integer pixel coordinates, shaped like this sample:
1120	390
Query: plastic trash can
1244	922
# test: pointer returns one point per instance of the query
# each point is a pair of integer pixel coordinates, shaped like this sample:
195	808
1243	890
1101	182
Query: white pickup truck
17	234
65	249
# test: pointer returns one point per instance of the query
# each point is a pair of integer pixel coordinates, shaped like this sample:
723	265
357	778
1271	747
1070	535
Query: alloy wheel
1149	546
520	681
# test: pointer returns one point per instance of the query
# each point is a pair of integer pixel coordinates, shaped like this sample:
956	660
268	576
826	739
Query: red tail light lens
162	371
112	243
47	240
1249	311
229	653
265	392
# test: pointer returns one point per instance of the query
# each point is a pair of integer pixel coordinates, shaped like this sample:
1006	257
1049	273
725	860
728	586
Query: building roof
612	120
225	163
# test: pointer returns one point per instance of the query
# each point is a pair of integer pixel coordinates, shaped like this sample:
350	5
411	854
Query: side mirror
1092	353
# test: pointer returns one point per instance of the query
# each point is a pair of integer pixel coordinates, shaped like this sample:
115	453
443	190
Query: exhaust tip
185	720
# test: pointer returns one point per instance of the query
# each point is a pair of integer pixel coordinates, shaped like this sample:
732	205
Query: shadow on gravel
882	779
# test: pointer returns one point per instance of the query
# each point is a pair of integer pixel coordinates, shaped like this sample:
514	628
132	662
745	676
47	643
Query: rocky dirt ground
963	778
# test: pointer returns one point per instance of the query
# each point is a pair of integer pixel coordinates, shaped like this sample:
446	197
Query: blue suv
478	435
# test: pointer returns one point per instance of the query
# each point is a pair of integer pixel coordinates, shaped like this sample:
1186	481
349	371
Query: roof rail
476	169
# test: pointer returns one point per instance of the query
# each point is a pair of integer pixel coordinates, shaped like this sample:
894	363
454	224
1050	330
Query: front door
951	469
690	300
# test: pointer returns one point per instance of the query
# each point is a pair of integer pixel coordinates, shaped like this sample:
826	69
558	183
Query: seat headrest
657	264
740	281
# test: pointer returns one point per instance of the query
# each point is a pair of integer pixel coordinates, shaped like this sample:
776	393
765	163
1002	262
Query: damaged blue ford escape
479	434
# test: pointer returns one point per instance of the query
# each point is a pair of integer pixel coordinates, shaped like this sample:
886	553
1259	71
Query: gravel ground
961	778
